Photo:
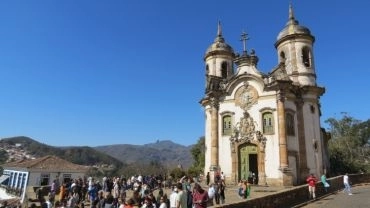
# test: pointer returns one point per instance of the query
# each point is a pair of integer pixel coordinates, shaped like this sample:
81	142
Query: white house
42	171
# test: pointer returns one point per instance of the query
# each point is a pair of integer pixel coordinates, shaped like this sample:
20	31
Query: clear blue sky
130	72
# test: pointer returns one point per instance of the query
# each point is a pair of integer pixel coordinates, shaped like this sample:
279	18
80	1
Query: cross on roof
244	40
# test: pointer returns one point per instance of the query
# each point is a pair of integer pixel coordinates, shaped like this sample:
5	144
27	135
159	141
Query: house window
67	178
23	181
226	125
44	179
19	181
268	123
306	57
224	70
14	179
290	124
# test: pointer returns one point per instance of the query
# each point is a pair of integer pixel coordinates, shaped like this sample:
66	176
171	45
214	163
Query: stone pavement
231	193
360	198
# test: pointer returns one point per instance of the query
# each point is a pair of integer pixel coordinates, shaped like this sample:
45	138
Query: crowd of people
136	191
184	193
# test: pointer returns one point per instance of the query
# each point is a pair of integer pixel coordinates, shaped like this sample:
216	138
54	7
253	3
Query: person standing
181	197
222	192
162	202
48	202
325	182
246	189
208	178
173	197
311	181
347	187
200	196
222	176
211	195
216	188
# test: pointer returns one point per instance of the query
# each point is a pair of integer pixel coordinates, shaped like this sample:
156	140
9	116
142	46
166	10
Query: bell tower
295	49
218	59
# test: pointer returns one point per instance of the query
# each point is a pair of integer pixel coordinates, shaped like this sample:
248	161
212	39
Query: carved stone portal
245	132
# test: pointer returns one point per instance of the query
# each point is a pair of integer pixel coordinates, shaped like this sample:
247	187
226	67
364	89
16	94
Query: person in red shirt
200	196
311	181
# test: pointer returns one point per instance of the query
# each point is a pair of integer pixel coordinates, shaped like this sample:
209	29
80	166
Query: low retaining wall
294	196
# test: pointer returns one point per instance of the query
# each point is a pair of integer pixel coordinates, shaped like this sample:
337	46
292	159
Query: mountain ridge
166	152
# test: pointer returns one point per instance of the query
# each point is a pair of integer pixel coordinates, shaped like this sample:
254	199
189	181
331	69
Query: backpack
211	192
216	188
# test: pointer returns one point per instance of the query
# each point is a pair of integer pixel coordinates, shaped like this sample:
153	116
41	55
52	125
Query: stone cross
244	40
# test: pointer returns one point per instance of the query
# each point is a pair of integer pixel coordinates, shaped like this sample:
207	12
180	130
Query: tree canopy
198	154
349	147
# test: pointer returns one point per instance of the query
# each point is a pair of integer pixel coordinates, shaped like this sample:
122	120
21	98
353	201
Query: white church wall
312	132
225	156
292	140
272	160
272	157
225	159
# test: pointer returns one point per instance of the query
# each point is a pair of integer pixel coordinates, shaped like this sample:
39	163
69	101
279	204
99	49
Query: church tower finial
291	13
292	20
219	29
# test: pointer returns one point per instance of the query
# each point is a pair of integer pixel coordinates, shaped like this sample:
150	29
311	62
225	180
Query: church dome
219	45
293	28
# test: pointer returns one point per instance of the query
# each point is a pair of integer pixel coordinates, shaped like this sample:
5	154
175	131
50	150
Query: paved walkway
231	192
359	199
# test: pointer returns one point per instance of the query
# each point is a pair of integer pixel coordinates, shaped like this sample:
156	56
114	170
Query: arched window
306	57
268	123
290	124
207	69
224	70
282	57
226	125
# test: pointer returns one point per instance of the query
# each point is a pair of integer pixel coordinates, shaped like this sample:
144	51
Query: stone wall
293	196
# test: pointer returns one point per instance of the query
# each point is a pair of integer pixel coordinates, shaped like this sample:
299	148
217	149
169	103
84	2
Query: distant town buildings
15	152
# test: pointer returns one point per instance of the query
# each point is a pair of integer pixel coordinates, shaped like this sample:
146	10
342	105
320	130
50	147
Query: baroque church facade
266	124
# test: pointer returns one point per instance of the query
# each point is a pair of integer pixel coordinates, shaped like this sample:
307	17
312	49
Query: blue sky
131	72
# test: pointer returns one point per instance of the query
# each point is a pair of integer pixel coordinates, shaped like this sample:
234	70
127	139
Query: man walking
347	187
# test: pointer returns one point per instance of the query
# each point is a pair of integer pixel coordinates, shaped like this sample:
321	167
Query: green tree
3	158
198	154
349	150
177	173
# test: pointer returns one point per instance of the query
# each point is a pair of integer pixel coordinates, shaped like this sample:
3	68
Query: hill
166	152
18	147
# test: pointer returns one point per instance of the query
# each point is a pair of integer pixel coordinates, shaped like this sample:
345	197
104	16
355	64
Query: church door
247	162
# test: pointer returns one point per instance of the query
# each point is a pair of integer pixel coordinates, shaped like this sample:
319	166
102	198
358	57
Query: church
266	125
